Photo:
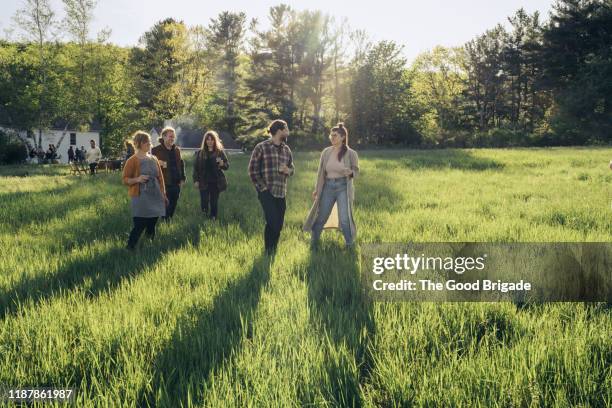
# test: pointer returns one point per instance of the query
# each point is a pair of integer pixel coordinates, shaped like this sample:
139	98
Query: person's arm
196	169
160	179
354	164
254	166
290	166
225	164
320	169
181	164
129	175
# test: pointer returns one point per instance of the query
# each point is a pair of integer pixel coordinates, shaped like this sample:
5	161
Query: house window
73	139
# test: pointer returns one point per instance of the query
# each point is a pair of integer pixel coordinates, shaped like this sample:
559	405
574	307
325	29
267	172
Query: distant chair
77	168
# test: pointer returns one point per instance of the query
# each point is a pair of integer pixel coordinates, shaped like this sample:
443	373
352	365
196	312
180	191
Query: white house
62	139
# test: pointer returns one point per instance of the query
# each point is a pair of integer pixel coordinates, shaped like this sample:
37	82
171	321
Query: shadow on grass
452	159
339	304
203	340
24	208
102	269
34	169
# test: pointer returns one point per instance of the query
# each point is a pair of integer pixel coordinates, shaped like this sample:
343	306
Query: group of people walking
155	178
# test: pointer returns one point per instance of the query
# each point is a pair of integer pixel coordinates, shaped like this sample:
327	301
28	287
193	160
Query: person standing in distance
93	156
270	166
70	155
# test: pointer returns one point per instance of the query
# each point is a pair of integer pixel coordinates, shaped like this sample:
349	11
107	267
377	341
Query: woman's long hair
341	130
217	147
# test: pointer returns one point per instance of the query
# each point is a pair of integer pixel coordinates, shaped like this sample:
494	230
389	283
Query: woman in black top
208	175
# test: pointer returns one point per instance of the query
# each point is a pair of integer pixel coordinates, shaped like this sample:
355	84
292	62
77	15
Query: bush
303	140
298	139
248	142
456	138
501	137
12	149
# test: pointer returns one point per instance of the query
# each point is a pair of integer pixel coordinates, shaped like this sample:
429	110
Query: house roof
193	138
61	124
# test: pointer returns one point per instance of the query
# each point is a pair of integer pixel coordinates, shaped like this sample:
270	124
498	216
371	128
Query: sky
417	25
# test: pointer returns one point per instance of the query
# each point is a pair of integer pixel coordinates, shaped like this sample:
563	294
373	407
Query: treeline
533	83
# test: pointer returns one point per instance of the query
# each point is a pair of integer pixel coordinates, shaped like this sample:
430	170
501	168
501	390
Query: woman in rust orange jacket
144	178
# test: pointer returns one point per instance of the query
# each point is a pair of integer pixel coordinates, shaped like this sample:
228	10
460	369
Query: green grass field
200	318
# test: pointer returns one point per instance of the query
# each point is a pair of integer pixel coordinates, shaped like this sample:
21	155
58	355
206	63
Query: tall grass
199	317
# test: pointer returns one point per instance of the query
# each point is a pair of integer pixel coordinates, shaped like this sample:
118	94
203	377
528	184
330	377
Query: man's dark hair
277	125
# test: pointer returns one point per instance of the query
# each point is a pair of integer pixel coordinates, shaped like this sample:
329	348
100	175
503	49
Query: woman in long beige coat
334	192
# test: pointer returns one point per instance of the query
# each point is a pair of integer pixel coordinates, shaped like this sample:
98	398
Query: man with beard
173	168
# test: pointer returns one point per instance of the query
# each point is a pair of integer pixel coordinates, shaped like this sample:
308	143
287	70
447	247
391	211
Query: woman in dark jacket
208	175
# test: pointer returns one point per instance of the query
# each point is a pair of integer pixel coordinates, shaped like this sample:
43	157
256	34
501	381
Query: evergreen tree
577	60
159	70
381	99
227	36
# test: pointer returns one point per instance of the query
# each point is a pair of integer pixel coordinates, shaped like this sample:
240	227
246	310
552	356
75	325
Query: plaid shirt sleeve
254	166
291	166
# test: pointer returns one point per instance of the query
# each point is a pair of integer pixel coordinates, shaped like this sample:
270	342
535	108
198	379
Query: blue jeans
334	190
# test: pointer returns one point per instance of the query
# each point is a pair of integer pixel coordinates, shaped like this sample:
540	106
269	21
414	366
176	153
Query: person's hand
283	169
196	184
219	161
314	195
347	172
610	164
142	178
163	164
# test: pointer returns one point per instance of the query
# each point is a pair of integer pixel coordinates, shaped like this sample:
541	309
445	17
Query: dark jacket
162	153
199	170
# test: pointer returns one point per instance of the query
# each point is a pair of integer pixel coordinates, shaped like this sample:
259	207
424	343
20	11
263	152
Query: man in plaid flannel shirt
270	166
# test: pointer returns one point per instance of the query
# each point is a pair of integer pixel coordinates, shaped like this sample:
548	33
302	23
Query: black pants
210	196
274	212
172	192
141	224
92	168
